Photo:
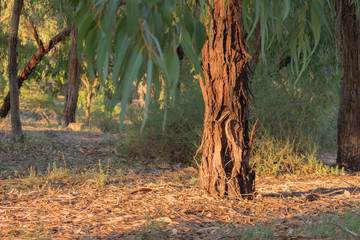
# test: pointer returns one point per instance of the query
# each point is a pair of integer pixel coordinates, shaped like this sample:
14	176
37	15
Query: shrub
183	126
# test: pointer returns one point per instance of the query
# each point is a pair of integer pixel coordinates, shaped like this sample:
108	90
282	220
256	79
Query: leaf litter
154	201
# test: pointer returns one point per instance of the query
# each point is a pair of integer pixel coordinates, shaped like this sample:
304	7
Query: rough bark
348	154
29	68
226	144
13	69
73	81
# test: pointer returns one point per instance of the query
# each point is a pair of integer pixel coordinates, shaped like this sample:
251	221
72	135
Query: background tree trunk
256	49
74	80
225	169
348	154
13	69
91	85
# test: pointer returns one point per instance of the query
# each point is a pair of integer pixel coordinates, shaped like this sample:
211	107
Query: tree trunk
29	68
13	69
348	154
74	80
87	109
226	144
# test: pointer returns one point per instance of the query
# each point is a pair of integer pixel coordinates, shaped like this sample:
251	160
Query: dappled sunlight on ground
164	201
70	208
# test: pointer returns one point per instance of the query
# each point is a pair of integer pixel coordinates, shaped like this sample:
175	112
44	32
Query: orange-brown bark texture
226	144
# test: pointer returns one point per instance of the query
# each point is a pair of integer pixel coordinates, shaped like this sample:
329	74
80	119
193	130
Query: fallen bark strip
144	189
32	64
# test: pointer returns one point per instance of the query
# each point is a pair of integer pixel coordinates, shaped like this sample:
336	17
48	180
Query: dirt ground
144	201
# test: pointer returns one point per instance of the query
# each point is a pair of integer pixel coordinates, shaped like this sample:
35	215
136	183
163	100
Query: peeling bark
226	144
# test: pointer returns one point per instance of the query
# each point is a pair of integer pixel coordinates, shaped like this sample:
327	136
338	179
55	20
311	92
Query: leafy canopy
136	38
132	39
296	23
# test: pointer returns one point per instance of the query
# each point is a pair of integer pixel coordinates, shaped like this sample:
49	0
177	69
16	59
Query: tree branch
4	18
34	32
32	64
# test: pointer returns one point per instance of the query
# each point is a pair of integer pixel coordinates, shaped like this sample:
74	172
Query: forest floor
60	184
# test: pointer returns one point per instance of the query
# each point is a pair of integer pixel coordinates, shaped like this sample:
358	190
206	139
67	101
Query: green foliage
38	103
257	232
152	231
56	173
296	121
100	117
147	35
182	136
297	23
51	73
336	226
101	176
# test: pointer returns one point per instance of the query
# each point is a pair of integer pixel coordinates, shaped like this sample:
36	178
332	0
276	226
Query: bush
296	121
183	126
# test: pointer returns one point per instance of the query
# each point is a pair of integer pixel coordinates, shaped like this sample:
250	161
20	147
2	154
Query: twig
144	189
4	18
32	28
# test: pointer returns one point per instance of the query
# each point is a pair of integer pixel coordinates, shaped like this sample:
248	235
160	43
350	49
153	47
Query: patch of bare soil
44	146
163	200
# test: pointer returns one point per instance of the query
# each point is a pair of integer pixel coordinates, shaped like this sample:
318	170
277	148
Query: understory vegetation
297	122
299	128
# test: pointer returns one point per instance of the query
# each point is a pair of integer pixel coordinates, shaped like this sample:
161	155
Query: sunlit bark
226	144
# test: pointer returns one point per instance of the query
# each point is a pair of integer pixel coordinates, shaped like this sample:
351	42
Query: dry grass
158	201
72	208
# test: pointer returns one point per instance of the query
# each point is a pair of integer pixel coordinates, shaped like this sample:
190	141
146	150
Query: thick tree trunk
348	154
225	169
32	64
13	69
74	80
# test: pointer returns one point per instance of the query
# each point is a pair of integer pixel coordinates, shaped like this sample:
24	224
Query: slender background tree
13	69
72	93
31	66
